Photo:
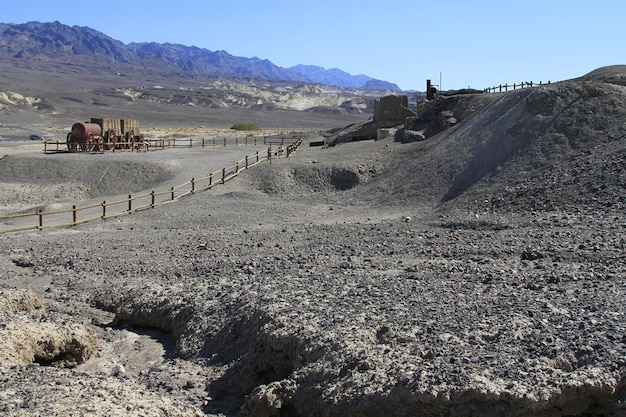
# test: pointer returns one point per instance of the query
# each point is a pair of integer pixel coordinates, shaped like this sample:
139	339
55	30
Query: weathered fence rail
502	88
133	203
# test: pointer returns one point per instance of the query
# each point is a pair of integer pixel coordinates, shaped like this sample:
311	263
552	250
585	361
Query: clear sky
463	43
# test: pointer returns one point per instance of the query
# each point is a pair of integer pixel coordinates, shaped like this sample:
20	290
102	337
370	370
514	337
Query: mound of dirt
614	74
38	180
554	148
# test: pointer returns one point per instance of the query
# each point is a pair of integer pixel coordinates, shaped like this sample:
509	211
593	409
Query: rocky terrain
479	271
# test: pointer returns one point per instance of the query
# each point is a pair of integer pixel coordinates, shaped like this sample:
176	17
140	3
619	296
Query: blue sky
463	43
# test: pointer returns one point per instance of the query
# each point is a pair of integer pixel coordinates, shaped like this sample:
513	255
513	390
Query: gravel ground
478	272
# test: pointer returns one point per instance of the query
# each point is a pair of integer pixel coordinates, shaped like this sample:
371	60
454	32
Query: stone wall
392	109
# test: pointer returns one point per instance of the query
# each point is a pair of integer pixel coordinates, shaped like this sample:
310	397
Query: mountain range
55	41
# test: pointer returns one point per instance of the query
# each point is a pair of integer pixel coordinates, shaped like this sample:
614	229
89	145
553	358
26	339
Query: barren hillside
477	272
552	148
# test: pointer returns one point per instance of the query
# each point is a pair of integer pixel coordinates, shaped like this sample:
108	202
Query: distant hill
335	76
56	41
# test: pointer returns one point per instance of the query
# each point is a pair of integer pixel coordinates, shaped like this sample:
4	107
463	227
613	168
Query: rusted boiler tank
104	134
84	136
85	129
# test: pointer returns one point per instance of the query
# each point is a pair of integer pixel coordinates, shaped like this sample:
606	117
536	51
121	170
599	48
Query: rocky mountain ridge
56	41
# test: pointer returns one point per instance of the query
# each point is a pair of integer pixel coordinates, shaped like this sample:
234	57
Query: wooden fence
504	88
160	144
108	209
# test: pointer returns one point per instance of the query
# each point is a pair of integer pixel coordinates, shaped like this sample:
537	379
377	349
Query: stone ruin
391	110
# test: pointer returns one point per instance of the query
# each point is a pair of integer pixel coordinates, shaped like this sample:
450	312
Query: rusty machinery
107	134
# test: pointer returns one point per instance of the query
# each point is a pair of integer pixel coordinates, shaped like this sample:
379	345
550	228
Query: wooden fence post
172	191
223	175
130	203
152	199
74	214
40	213
193	185
104	209
246	161
515	86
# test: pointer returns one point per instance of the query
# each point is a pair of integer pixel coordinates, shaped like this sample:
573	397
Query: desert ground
479	272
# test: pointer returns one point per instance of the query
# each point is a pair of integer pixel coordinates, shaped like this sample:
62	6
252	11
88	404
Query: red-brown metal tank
82	130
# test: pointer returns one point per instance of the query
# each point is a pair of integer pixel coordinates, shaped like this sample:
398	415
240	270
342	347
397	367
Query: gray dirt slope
558	147
480	272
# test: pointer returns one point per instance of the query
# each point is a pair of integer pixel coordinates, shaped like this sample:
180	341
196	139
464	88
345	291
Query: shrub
244	126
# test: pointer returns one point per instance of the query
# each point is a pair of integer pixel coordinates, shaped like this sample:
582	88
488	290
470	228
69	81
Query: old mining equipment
108	134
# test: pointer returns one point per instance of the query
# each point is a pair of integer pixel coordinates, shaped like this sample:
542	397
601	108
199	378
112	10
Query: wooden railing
504	88
108	209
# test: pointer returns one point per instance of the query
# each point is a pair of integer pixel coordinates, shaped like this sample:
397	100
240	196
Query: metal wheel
89	143
71	143
98	145
110	140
